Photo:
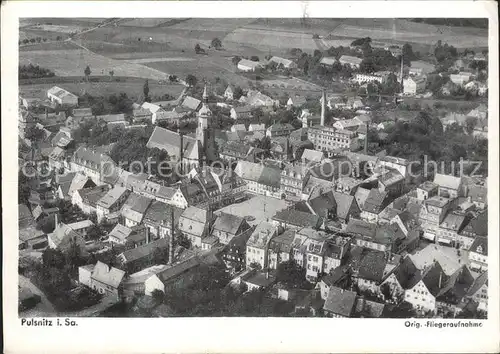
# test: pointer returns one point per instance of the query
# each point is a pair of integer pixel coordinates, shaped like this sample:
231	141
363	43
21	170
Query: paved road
44	308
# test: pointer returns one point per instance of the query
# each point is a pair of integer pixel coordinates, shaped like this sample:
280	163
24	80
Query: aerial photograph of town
253	167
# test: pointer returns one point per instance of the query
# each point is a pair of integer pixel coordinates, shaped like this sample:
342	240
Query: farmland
73	62
131	86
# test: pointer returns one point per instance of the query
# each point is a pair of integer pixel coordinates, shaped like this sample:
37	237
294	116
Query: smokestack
56	219
440	278
366	140
181	154
323	105
148	238
171	241
402	72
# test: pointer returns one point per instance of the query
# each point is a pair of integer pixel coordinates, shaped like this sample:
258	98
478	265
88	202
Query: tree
87	73
408	54
53	258
111	74
172	78
38	39
235	60
197	48
216	43
254	58
291	274
46	224
367	65
191	80
157	296
34	134
145	91
237	93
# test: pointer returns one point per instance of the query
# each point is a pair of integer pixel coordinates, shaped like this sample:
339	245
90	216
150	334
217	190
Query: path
44	308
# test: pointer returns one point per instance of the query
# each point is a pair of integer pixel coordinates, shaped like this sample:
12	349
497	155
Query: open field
131	86
269	39
203	67
73	62
400	30
80	21
48	46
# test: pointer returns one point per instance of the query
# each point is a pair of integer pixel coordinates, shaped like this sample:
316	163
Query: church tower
203	119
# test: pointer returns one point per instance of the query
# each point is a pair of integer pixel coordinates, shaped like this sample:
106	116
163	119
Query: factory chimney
402	72
171	241
366	140
323	104
181	153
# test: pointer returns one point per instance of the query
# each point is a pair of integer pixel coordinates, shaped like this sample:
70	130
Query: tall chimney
148	238
56	220
181	154
402	72
323	105
366	140
171	241
440	278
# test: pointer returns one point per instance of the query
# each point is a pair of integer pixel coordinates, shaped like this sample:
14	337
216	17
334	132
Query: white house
62	96
248	65
461	78
286	63
229	93
413	85
353	62
154	109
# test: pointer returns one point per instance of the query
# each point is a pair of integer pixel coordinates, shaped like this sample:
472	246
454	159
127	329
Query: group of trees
425	136
210	295
216	43
111	104
32	40
34	72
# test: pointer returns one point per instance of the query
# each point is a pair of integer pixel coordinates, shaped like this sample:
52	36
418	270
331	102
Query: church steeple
205	95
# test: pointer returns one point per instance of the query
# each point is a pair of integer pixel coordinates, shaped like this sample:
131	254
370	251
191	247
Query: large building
194	150
329	138
62	97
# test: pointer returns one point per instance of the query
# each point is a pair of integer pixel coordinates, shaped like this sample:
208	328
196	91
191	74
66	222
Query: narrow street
44	308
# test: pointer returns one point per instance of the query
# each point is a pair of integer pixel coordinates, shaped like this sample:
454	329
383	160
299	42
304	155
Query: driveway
42	309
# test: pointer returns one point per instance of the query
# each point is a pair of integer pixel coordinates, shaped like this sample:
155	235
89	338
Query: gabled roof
362	228
478	225
107	275
447	181
228	223
375	201
191	103
261	235
121	232
135	207
298	218
404	272
480	245
361	195
169	141
249	63
368	308
312	155
61	233
350	60
340	302
144	250
478	283
60	92
112	196
372	266
195	214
